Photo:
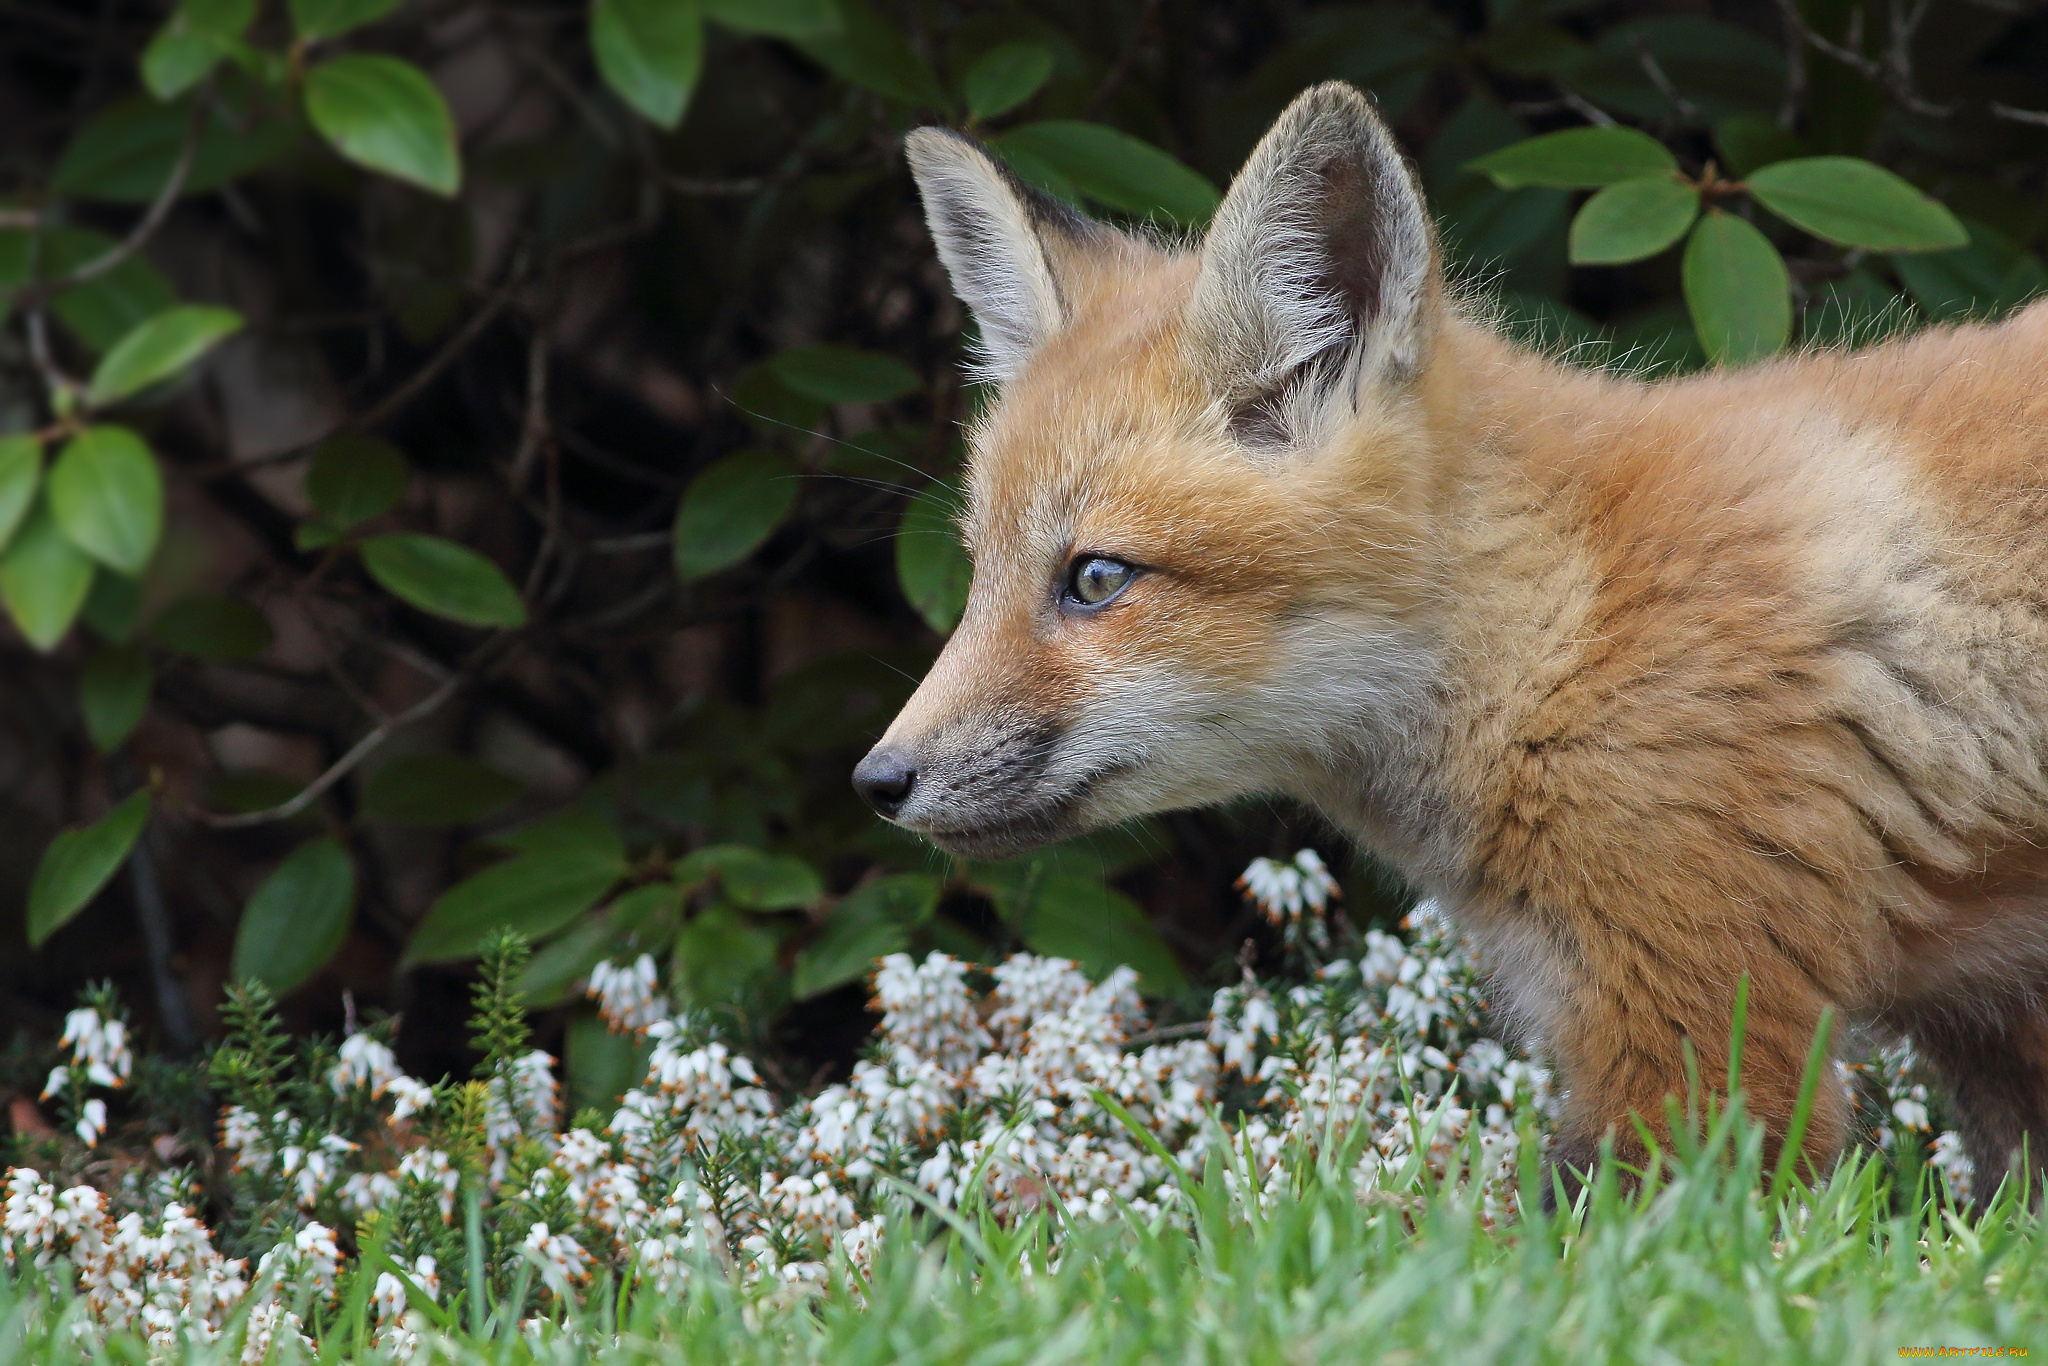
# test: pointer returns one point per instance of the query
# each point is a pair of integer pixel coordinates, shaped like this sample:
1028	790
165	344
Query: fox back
1651	686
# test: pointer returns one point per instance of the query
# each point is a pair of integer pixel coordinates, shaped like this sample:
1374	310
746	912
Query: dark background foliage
607	310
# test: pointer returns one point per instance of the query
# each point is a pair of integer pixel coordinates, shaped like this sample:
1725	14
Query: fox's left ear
1320	270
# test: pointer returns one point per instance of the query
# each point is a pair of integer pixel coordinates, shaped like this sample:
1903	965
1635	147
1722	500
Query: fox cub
1650	685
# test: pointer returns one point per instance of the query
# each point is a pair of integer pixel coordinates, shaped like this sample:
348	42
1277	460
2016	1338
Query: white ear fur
1318	265
990	229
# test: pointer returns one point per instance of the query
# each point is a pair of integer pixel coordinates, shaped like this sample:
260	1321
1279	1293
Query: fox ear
1002	242
1319	269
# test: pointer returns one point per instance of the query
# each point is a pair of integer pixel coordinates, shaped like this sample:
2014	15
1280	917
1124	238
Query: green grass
1701	1265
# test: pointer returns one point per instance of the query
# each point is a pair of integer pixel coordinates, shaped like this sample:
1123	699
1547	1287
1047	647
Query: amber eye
1095	579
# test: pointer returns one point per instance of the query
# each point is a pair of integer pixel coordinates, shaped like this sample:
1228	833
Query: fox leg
1992	1064
1620	1044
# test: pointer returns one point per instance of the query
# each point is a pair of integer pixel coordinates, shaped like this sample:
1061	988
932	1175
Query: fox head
1197	509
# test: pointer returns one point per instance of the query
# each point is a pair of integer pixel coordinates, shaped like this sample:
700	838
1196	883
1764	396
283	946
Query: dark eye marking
1094	581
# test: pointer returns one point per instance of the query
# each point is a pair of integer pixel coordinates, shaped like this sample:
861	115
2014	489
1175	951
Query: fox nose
884	780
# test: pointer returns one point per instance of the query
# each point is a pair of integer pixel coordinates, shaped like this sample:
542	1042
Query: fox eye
1093	580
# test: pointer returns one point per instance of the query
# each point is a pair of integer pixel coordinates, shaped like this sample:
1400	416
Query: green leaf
298	919
772	882
1114	168
535	894
555	970
873	54
1578	158
1004	77
601	1066
649	52
192	42
158	349
1737	290
870	922
585	830
842	374
1852	203
385	115
1071	915
1990	276
1748	141
109	306
721	956
113	693
730	509
435	789
125	154
1632	219
21	474
931	565
355	478
108	495
314	20
776	18
444	579
214	627
43	579
113	606
78	863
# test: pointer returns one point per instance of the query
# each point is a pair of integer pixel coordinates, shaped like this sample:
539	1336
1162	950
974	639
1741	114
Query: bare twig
1142	36
421	378
342	767
533	427
1654	69
152	219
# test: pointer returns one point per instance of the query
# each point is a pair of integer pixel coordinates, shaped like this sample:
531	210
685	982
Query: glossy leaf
192	42
730	510
444	579
872	53
536	894
107	493
1737	290
125	153
159	349
1578	158
650	52
870	922
1114	168
842	374
776	18
385	115
43	579
113	693
1004	77
1852	203
78	863
1632	219
298	919
355	478
21	474
931	565
314	20
437	789
213	627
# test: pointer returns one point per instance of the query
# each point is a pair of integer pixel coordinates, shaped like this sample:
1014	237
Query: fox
1655	687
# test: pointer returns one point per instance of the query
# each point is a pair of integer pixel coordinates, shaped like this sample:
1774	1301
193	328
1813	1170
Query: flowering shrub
1021	1088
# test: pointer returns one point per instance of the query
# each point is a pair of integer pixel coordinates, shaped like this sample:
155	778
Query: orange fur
1652	685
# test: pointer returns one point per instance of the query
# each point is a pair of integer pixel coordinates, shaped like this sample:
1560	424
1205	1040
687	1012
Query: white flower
92	1122
628	995
563	1262
99	1046
1284	891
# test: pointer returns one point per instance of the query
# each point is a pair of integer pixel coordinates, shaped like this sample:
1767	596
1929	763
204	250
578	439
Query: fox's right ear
1002	241
1318	273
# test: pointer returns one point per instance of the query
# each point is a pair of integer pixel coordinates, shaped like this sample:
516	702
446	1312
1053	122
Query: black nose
884	780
